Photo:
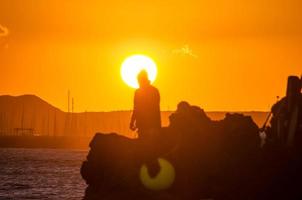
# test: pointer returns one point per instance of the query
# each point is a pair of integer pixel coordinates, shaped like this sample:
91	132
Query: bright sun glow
133	65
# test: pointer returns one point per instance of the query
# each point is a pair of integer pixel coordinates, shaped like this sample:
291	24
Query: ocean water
41	174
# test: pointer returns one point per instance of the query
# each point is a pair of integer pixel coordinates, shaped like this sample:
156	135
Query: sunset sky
224	55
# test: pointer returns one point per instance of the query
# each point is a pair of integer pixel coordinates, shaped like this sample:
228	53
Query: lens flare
163	180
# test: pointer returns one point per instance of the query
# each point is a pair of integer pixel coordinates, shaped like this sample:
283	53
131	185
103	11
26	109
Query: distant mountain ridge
30	113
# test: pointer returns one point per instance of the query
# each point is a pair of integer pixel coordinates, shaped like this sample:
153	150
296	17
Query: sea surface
41	174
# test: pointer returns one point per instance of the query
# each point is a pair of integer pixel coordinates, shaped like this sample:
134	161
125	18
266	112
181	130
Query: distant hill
29	114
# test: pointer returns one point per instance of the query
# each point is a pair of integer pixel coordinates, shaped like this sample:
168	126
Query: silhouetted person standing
146	109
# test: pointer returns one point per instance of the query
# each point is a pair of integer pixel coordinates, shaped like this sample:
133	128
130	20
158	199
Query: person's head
142	78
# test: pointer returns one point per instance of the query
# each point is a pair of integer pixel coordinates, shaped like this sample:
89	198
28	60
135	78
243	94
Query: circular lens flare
133	65
163	180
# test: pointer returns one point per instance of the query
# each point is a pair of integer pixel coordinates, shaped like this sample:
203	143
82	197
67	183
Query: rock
200	151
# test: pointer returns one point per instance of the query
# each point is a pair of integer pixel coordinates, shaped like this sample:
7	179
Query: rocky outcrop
193	158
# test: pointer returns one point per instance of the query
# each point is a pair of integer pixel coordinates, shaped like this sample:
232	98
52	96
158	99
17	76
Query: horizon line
129	110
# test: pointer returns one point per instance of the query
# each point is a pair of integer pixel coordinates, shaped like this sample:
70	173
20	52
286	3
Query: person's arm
158	97
133	117
158	103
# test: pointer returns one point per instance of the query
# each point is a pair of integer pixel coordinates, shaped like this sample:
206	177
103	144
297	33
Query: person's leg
149	144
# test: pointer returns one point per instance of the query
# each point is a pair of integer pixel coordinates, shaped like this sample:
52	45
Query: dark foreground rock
193	158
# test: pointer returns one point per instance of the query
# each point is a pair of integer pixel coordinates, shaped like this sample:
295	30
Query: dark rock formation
206	159
210	159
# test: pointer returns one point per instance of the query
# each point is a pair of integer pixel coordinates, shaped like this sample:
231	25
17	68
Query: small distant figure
146	109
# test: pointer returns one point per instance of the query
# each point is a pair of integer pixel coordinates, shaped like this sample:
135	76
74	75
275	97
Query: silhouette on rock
146	110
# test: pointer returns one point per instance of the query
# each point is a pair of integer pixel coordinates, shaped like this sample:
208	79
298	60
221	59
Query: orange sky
242	51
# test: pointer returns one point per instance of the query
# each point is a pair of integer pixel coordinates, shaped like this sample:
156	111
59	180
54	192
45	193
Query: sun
133	65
